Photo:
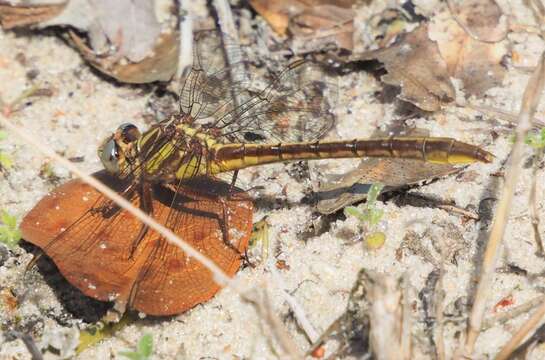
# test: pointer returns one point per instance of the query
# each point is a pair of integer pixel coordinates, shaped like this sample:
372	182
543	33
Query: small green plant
370	216
536	139
5	160
144	349
9	232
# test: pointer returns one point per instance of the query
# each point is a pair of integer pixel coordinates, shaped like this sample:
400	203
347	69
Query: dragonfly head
119	151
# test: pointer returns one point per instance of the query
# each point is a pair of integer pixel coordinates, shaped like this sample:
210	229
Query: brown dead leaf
318	21
139	48
471	41
324	24
160	66
349	188
393	173
483	20
414	63
276	13
27	14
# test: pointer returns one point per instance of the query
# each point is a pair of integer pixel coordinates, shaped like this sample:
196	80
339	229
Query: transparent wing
213	85
294	105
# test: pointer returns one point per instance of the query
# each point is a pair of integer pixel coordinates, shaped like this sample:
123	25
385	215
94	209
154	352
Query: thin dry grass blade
529	104
514	312
296	308
533	199
406	338
439	337
185	57
386	314
233	54
519	336
261	302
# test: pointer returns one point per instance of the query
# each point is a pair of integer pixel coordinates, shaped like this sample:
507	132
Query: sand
86	107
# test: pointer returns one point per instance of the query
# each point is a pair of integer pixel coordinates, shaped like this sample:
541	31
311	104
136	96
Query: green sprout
5	160
9	232
536	139
370	216
144	349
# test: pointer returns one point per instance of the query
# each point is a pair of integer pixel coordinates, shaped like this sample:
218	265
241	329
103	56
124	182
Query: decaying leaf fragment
322	25
12	16
471	40
375	318
337	192
133	41
312	24
466	41
393	173
414	63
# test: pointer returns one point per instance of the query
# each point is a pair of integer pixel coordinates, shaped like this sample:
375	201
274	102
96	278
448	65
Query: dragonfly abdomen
438	150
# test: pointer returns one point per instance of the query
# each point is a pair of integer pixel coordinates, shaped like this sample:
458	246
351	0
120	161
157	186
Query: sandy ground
86	107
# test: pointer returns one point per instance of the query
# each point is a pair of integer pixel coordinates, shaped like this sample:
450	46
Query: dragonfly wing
169	281
210	86
294	106
90	248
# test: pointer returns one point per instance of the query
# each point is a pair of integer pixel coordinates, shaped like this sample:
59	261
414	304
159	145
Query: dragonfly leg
109	207
224	222
246	259
146	206
234	179
34	261
232	188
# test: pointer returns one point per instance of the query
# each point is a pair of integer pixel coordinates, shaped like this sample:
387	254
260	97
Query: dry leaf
133	41
319	22
352	187
414	63
393	173
91	249
481	19
277	13
158	67
472	44
319	26
27	14
466	42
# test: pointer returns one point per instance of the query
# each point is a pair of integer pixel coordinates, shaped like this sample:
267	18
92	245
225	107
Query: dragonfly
222	126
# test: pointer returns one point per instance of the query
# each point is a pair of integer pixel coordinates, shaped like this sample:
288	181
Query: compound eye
109	156
129	132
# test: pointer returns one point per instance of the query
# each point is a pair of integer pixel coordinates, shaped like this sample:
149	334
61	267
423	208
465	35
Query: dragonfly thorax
163	153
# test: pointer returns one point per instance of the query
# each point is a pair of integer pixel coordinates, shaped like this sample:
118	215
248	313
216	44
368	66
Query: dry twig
298	311
439	338
514	312
533	199
263	307
406	339
524	330
185	57
529	104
